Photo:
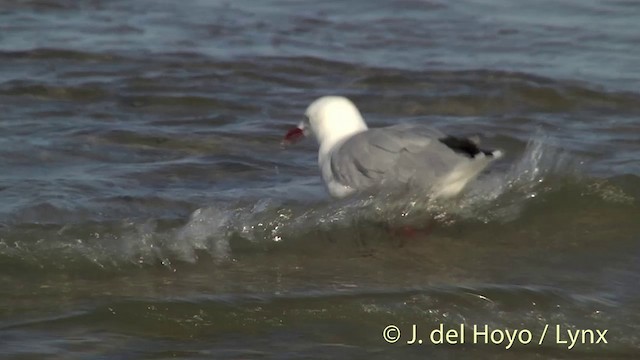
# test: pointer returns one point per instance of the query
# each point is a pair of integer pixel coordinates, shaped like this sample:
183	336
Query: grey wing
395	154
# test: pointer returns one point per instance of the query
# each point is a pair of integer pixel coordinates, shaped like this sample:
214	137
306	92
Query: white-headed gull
354	158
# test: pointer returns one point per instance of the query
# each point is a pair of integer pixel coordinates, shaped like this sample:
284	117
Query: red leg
405	232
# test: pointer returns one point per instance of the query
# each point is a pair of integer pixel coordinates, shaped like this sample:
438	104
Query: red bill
293	136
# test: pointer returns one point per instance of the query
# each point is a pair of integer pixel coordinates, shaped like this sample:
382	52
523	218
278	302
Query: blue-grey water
147	210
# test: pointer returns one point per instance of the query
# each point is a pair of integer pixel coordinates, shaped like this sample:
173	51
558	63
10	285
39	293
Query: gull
354	158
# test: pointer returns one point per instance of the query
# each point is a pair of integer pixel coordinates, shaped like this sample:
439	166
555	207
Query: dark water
148	212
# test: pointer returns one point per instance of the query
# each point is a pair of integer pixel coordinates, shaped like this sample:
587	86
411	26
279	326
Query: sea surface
148	211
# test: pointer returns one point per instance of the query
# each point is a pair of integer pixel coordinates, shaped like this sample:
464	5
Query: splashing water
220	229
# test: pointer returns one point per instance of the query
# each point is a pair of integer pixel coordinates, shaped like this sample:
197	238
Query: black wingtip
468	147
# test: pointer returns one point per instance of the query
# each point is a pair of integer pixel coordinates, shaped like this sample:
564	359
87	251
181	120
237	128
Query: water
148	212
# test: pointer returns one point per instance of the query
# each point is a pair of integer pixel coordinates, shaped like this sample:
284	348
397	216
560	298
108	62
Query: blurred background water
148	212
